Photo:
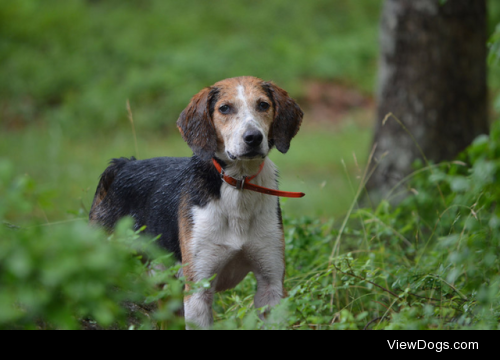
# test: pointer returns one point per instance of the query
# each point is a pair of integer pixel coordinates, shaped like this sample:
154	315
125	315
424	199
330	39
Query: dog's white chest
237	219
232	235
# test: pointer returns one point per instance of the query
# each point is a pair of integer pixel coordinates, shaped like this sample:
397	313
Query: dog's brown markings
285	293
280	224
185	237
105	182
101	193
196	125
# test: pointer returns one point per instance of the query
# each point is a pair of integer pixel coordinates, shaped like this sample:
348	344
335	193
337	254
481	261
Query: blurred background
69	67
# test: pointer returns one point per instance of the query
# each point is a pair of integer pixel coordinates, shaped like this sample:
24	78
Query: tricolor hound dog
215	211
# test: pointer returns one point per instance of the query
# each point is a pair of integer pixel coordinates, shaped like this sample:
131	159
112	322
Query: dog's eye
225	109
263	106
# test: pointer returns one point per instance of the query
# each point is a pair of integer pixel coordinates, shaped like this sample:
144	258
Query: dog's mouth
246	156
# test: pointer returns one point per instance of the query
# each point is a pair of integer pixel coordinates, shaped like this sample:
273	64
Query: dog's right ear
287	117
196	125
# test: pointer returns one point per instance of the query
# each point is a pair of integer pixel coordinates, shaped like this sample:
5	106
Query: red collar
245	184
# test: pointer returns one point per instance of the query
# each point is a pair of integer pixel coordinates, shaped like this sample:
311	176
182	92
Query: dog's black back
151	191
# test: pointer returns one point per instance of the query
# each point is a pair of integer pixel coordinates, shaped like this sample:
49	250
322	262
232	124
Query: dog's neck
240	168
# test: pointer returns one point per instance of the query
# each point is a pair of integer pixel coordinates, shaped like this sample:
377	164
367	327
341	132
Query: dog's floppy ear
196	125
287	117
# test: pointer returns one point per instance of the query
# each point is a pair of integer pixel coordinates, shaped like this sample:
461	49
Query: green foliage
430	263
75	63
68	275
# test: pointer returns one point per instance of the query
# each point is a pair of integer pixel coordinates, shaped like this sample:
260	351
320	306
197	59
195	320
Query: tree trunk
432	77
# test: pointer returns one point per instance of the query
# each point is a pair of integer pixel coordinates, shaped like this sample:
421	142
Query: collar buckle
240	183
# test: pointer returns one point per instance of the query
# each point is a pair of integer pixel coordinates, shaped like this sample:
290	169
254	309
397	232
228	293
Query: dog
217	211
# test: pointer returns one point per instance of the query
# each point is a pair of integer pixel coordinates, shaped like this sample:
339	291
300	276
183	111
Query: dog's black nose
253	137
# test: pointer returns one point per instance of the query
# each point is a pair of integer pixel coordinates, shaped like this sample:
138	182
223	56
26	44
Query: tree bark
432	77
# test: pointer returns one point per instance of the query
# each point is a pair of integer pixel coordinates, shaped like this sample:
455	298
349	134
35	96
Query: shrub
70	276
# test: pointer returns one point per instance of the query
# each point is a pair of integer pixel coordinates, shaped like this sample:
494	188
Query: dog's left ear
196	125
287	117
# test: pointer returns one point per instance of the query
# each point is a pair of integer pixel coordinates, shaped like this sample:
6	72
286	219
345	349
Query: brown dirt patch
329	102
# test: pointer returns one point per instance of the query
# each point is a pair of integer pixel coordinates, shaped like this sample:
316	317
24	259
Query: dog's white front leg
198	309
270	275
269	294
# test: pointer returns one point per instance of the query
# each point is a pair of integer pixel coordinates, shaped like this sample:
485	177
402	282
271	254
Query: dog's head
240	118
